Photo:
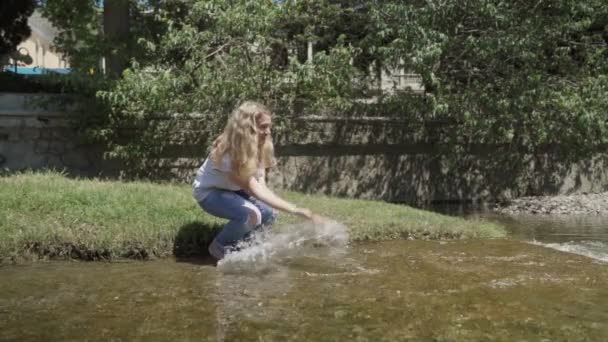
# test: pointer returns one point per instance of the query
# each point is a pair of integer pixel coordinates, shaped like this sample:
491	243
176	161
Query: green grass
51	216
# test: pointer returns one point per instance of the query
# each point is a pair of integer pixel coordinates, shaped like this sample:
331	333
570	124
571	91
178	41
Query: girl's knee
254	216
254	219
267	214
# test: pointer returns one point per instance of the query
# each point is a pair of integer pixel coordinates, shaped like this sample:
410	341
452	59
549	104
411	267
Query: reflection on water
422	290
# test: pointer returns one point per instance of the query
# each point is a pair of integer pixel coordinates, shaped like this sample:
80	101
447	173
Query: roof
42	27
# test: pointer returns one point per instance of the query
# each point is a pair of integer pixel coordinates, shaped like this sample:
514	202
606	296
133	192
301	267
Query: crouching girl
231	182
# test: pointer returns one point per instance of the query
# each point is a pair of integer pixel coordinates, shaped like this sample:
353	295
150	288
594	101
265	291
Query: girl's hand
303	212
308	214
318	219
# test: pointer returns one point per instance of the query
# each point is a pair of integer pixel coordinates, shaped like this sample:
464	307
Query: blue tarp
36	70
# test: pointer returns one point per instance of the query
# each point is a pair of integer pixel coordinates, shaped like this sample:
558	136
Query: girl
231	182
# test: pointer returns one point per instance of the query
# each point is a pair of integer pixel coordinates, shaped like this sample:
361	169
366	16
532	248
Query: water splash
265	249
591	249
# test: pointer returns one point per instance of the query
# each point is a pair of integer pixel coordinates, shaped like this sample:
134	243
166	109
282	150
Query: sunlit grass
50	215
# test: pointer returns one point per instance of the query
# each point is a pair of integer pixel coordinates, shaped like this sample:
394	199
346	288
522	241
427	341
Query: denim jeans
245	213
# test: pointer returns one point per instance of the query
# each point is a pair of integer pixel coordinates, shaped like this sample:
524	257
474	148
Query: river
537	284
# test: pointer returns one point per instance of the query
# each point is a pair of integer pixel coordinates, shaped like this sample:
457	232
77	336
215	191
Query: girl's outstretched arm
266	195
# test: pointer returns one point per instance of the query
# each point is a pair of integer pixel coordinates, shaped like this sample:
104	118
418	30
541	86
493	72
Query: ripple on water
357	271
526	279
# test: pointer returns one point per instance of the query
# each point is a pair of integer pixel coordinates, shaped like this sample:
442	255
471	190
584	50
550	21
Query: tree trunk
116	31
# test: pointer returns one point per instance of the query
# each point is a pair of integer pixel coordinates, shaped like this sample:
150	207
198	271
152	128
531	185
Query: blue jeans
245	213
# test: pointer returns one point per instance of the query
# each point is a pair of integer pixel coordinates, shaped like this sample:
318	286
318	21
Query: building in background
39	47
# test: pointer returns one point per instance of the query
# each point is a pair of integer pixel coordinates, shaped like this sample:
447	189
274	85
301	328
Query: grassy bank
49	215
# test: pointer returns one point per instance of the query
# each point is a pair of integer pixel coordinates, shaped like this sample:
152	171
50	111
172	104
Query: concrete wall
374	158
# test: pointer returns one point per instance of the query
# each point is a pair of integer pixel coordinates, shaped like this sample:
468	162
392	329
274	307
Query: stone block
54	162
15	134
28	133
34	122
62	133
41	146
11	122
20	155
41	121
44	133
12	101
58	122
56	147
76	159
6	134
32	103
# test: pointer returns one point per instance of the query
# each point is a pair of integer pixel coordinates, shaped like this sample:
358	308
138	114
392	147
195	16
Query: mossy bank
50	216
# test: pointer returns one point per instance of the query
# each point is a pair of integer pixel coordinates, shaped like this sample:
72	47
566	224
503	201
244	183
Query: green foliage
527	76
13	23
80	37
208	60
81	31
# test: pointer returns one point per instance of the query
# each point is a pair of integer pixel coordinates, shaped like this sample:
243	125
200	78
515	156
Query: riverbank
49	216
578	204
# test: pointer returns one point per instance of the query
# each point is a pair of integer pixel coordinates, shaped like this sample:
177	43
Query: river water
547	281
579	234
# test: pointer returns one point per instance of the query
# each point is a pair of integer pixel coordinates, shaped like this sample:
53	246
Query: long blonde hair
240	140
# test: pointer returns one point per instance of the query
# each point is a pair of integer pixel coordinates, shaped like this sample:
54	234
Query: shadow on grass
192	241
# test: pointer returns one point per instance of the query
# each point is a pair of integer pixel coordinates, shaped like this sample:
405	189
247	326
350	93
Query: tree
13	23
80	36
92	29
528	75
116	30
211	55
523	74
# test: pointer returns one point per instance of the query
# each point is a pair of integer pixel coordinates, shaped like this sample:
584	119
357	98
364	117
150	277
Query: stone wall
35	138
373	158
422	179
382	158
